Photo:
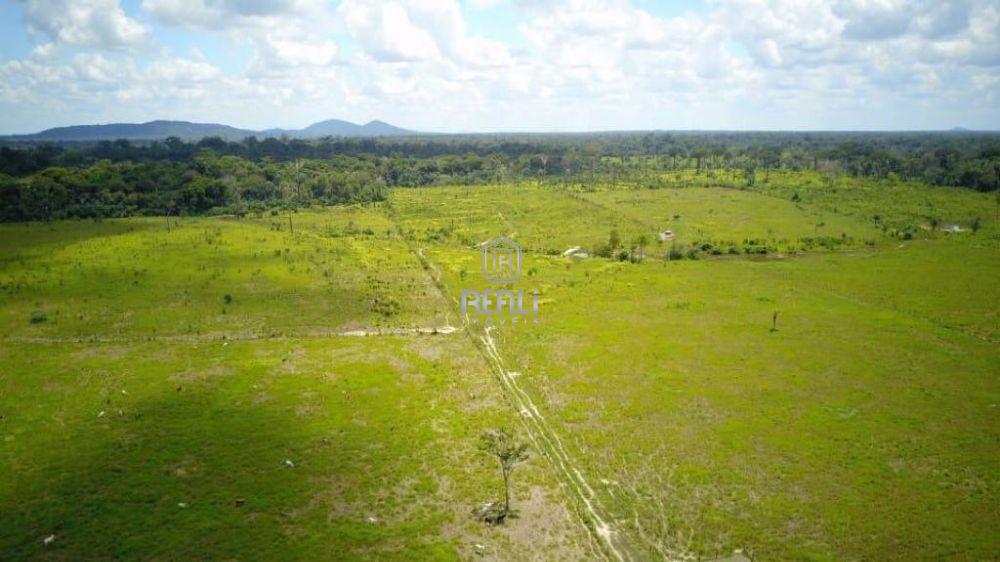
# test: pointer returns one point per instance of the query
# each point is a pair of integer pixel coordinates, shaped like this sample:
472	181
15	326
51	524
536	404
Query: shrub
385	305
39	316
614	240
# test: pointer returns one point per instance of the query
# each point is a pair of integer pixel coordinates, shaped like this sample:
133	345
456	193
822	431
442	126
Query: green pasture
729	218
895	206
331	448
145	415
863	427
332	270
835	398
541	219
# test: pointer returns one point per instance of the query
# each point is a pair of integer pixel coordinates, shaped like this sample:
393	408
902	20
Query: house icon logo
501	260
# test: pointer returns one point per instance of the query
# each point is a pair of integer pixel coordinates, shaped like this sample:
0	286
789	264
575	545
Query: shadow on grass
181	478
30	240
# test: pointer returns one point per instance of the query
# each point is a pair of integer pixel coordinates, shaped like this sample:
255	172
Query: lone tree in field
639	244
614	240
508	451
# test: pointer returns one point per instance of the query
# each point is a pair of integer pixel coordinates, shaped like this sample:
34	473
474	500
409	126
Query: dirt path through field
551	446
227	337
541	435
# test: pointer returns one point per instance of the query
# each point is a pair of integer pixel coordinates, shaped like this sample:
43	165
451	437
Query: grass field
863	428
153	383
133	278
147	417
728	218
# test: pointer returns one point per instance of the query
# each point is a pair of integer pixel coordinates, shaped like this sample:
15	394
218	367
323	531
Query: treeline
207	184
118	178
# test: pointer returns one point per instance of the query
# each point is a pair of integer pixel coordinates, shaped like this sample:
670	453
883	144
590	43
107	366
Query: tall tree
504	446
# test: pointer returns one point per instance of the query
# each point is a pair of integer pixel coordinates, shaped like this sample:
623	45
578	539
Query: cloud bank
444	65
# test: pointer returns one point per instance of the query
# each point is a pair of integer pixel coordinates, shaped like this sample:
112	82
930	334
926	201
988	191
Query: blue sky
503	65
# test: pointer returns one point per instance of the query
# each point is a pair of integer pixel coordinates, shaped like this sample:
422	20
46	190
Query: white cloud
419	30
222	14
386	31
178	71
783	32
942	19
572	64
184	13
285	35
295	52
91	23
873	19
613	51
95	68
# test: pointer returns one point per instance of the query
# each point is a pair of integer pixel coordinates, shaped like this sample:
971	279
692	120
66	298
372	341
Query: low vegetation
214	176
801	366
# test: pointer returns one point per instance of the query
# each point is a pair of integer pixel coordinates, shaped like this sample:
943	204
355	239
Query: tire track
540	434
612	545
223	337
551	446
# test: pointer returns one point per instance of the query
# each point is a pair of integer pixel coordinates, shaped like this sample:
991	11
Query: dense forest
214	176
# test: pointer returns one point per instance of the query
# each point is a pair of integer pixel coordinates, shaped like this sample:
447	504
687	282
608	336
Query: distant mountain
193	131
136	131
339	128
330	127
382	129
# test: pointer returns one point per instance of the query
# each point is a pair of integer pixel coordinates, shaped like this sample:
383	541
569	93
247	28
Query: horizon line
415	132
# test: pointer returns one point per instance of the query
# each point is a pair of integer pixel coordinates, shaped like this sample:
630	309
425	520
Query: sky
504	65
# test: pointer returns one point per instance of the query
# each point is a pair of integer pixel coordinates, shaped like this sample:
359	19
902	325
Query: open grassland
154	382
899	206
337	448
469	216
729	219
132	278
145	415
864	427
